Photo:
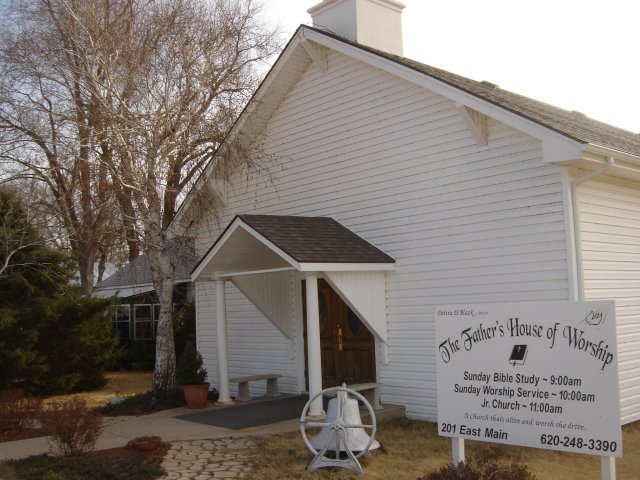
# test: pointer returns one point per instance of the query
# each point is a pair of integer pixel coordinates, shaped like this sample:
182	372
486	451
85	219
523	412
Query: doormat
251	415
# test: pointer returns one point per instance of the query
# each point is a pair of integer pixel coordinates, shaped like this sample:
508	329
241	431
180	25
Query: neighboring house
399	187
135	317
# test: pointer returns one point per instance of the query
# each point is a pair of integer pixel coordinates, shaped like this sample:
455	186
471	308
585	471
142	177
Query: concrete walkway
208	459
197	452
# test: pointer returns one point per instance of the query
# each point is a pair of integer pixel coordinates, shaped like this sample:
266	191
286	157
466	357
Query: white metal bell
357	438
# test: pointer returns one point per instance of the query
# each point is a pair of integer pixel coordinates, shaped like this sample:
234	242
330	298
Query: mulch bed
121	453
115	463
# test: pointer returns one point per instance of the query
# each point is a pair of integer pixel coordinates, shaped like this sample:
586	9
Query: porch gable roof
262	243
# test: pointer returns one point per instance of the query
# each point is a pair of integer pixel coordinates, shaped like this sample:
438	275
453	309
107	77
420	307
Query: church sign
541	375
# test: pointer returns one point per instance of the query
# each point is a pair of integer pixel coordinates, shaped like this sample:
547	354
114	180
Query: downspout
577	230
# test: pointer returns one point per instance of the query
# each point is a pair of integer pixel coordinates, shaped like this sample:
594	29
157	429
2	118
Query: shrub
18	411
190	370
52	338
487	467
78	343
74	427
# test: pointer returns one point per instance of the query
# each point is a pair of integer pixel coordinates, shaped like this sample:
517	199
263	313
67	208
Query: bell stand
337	432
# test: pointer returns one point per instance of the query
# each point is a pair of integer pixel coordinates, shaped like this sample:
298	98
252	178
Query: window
121	321
143	321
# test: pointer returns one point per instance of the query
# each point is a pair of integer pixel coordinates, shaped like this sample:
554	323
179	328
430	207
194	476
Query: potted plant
191	376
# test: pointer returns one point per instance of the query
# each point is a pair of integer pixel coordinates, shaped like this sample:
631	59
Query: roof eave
622	164
347	267
611	152
146	287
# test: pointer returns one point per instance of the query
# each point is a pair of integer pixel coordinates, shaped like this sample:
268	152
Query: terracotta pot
196	395
144	446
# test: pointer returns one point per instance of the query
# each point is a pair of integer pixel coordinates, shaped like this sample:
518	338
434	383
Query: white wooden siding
397	165
610	218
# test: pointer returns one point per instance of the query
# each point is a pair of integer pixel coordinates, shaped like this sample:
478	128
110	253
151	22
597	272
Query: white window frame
149	320
115	321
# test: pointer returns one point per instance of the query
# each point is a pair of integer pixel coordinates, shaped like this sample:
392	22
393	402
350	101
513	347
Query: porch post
223	355
313	344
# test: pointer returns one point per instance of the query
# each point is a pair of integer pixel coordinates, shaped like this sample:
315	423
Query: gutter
576	220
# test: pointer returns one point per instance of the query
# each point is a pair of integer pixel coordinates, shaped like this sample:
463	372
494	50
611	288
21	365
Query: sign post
541	375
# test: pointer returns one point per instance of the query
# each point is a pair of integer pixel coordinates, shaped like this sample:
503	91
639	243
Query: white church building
397	187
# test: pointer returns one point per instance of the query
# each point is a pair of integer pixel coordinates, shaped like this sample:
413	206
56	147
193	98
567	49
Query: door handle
339	338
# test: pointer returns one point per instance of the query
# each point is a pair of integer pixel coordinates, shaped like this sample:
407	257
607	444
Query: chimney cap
375	23
393	4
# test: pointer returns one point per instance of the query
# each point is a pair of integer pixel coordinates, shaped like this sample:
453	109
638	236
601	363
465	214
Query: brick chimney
375	23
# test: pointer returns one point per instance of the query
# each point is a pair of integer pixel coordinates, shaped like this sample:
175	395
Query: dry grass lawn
411	449
118	383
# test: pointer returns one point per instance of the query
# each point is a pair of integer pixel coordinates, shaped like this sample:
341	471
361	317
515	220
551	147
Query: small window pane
121	320
143	321
143	330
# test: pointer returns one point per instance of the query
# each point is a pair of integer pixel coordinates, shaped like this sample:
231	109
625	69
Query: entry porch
288	267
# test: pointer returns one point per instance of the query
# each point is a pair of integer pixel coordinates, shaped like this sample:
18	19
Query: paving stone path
208	459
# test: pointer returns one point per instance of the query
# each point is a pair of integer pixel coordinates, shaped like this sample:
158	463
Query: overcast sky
580	55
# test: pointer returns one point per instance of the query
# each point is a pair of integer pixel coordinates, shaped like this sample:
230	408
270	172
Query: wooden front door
347	346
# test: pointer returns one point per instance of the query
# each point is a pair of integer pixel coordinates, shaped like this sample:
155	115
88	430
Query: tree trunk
86	278
164	373
86	258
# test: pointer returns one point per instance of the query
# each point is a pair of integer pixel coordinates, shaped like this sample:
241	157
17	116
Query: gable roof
573	125
267	243
315	239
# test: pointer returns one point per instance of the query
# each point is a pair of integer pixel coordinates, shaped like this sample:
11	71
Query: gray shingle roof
570	124
138	272
315	239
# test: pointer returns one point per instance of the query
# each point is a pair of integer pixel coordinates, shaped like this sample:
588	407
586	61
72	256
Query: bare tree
51	127
150	90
